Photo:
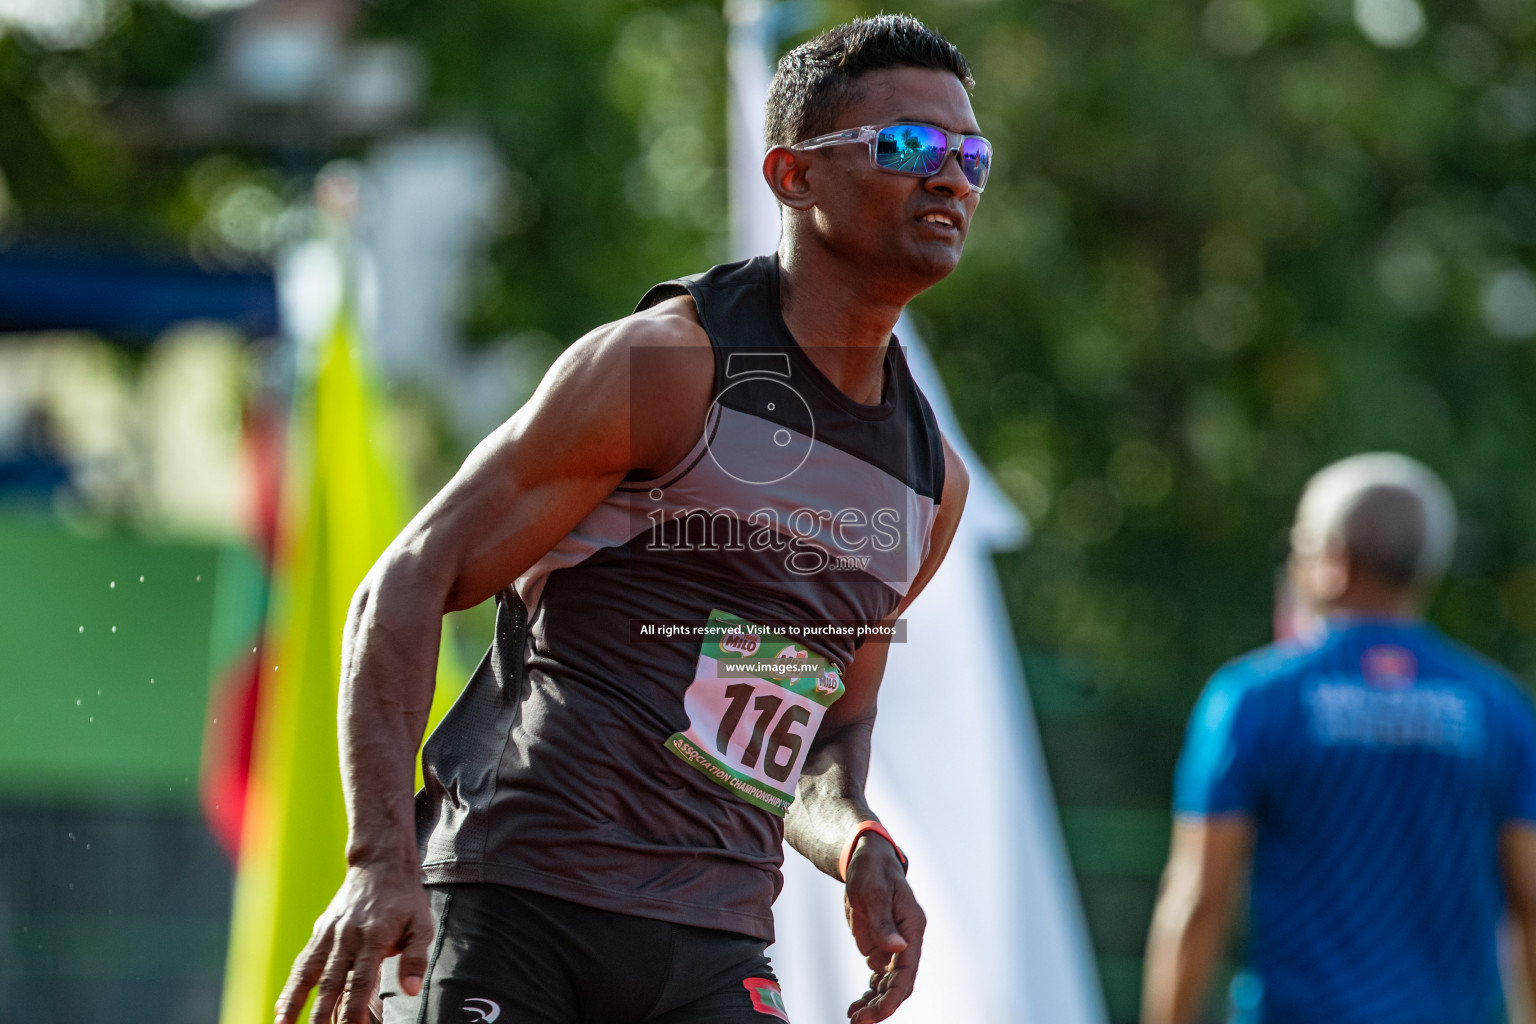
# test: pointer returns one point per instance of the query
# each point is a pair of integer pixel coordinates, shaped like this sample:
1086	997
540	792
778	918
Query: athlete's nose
949	179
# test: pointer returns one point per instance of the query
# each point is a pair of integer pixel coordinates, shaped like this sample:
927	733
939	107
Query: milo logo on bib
756	701
740	642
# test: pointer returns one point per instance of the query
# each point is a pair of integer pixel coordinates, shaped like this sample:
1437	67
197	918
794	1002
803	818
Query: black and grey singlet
632	738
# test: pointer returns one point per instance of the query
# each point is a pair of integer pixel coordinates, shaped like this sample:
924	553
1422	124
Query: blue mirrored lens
911	148
976	160
920	149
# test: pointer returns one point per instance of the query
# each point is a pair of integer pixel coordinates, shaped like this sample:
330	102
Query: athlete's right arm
1517	861
1199	888
632	395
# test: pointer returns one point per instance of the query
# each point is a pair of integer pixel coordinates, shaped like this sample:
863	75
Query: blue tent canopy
125	296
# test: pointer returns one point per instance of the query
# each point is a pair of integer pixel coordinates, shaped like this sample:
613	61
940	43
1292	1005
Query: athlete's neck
841	322
1368	598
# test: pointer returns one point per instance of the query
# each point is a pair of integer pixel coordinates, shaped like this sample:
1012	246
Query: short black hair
1386	533
817	80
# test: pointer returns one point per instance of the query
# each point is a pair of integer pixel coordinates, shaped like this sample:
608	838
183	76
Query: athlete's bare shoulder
674	320
667	330
655	365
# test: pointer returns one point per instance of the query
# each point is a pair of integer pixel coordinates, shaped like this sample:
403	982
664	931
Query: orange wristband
853	840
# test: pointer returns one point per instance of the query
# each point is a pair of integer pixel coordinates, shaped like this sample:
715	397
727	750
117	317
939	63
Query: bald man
1379	780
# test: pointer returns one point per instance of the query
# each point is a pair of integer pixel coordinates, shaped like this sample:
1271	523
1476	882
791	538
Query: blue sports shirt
1378	764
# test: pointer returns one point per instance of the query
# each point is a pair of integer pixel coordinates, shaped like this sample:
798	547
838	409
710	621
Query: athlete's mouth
941	218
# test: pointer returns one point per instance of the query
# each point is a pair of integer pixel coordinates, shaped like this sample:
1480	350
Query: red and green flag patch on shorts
766	997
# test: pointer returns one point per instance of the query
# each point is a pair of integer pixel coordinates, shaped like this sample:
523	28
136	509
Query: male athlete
1380	778
690	530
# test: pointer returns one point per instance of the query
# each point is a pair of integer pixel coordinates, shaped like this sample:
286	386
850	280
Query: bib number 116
783	750
755	703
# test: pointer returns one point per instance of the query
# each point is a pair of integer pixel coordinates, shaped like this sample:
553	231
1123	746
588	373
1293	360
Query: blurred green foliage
1225	243
1228	243
612	115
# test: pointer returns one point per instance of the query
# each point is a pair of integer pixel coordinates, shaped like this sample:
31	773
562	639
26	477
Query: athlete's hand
887	925
378	911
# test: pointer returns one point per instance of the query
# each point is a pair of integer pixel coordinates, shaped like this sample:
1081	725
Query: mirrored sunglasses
916	149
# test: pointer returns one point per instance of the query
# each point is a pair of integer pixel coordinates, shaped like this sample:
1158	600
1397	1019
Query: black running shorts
503	955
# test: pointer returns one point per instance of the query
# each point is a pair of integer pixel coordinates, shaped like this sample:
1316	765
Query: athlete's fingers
863	1000
877	984
863	1009
306	971
891	981
353	1007
333	979
886	992
413	957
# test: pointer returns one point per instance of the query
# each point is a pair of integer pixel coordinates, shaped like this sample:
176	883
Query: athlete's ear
786	172
1333	571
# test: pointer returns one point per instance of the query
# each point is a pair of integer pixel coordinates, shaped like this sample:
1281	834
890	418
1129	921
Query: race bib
755	703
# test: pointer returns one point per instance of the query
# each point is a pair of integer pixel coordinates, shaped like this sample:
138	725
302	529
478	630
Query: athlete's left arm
883	914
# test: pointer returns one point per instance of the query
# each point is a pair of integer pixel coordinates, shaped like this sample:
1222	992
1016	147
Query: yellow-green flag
342	507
